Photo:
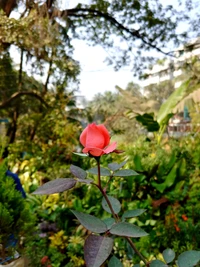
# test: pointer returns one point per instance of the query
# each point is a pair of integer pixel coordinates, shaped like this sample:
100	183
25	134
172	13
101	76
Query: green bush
168	187
16	220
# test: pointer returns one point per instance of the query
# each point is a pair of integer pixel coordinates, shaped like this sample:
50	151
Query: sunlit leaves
169	105
155	24
84	181
81	154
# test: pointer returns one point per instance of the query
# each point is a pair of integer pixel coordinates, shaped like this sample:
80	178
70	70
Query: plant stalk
115	215
103	192
137	251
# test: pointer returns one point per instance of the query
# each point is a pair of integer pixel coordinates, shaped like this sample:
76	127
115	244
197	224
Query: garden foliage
16	219
165	193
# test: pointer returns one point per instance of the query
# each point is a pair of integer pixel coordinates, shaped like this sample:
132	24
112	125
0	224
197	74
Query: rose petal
83	136
93	151
105	133
110	148
94	138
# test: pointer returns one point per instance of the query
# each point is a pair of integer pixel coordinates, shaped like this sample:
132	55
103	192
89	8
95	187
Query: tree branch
45	88
17	95
20	70
81	12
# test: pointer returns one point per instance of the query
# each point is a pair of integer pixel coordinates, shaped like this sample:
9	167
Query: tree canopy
42	33
126	28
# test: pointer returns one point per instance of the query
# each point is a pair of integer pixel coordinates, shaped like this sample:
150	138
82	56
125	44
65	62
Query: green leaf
168	106
138	163
157	263
133	213
136	5
56	186
188	101
160	187
188	258
172	161
125	172
103	171
114	262
169	180
78	172
97	249
127	229
136	265
80	154
109	222
182	167
168	255
90	222
147	120
115	205
115	166
85	181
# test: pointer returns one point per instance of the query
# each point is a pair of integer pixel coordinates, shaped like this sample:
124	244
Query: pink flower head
96	139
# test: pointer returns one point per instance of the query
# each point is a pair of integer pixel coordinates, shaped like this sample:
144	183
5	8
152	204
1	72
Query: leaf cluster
16	220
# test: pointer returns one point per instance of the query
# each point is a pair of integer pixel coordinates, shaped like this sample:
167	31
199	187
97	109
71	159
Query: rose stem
102	191
113	213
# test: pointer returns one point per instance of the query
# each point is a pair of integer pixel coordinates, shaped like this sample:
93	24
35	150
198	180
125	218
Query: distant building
171	70
168	69
179	126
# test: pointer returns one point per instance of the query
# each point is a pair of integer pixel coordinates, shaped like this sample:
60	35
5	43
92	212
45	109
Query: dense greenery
138	25
16	221
44	122
167	187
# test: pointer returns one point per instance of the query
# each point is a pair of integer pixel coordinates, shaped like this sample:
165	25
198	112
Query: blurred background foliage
42	121
167	187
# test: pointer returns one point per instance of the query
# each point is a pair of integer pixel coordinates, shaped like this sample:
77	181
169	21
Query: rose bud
96	139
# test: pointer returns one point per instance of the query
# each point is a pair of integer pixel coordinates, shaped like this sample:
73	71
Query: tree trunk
8	6
11	133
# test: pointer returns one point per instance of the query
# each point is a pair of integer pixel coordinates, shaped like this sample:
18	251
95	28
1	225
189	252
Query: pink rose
96	139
